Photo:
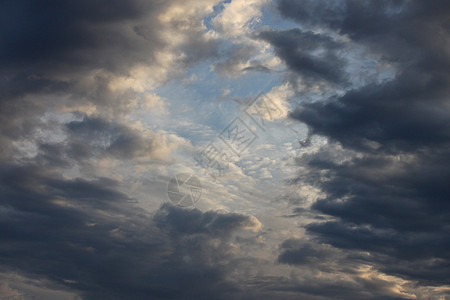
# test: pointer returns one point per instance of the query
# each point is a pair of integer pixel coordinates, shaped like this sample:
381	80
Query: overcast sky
318	130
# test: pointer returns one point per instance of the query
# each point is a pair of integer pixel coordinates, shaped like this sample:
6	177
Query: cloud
314	56
9	293
385	117
71	74
85	234
116	53
86	144
279	96
236	18
388	195
96	136
296	252
236	24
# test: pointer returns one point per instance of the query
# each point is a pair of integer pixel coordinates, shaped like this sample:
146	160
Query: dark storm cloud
296	252
77	34
51	47
396	210
389	194
370	20
195	222
63	55
96	138
405	114
357	18
297	49
51	50
84	232
87	233
101	137
52	37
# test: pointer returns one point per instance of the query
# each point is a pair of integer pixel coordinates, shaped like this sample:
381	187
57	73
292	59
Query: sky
243	149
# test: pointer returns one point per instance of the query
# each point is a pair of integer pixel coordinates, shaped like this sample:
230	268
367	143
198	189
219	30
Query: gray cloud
86	235
93	135
299	51
81	230
386	191
389	196
297	252
74	55
394	115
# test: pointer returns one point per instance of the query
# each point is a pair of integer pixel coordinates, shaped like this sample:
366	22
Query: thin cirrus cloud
91	93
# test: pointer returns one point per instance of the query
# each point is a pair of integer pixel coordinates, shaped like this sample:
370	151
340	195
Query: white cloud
238	17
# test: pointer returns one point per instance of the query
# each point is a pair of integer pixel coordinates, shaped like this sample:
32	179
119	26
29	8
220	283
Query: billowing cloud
314	56
103	102
388	197
88	236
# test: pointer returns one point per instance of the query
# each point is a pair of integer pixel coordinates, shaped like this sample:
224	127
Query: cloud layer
102	102
387	192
